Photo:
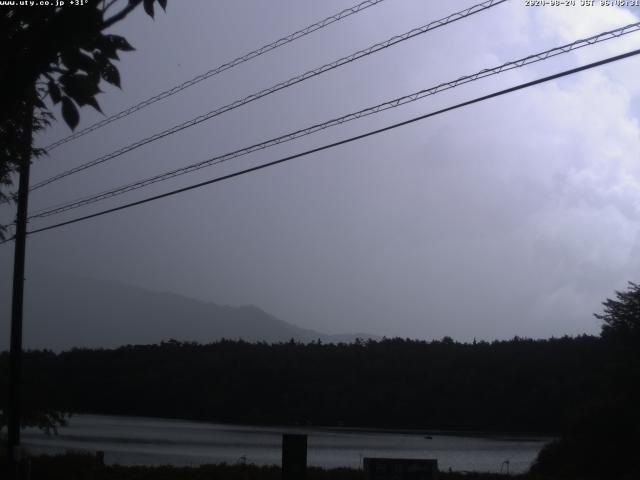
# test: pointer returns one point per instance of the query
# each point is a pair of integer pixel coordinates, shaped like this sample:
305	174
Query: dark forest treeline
519	385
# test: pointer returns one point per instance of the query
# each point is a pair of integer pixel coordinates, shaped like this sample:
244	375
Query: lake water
151	441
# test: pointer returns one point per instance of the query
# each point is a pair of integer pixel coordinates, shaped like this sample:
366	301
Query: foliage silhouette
518	385
61	52
621	317
602	440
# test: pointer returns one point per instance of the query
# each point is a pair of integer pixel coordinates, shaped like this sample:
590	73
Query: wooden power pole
15	353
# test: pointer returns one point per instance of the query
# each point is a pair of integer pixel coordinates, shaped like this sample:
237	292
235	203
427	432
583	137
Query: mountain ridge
63	312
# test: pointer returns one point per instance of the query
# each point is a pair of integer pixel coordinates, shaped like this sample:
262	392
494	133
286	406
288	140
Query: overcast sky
517	216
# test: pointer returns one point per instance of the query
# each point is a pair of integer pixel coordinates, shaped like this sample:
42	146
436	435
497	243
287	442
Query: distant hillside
62	312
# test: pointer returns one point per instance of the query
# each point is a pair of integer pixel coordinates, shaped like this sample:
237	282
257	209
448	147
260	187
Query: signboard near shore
400	469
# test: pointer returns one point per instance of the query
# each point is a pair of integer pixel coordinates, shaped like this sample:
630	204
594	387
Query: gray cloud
514	217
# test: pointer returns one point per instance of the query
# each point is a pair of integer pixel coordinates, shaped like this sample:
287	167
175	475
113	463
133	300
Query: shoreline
284	428
129	440
45	467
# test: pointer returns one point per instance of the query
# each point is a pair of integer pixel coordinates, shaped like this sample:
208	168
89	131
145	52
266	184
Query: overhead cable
215	71
275	88
345	141
534	58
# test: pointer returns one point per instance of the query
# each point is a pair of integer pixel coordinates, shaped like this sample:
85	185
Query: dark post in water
294	457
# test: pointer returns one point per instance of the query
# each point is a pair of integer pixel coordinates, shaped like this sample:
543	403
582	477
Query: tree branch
120	15
108	5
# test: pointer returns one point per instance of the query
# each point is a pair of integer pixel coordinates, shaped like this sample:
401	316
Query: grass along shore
79	466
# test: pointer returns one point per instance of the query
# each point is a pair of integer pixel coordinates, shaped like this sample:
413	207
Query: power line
340	120
292	81
219	69
7	240
345	141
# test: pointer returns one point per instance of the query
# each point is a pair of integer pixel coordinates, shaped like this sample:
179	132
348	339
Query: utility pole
15	353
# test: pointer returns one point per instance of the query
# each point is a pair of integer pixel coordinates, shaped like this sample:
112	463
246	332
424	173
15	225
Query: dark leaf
148	7
70	113
163	4
74	60
94	78
119	42
94	103
105	49
100	58
111	75
38	152
54	92
82	88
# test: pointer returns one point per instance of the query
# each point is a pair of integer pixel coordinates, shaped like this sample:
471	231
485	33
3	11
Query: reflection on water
150	441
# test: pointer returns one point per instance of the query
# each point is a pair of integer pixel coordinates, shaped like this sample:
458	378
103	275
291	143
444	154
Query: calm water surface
150	441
